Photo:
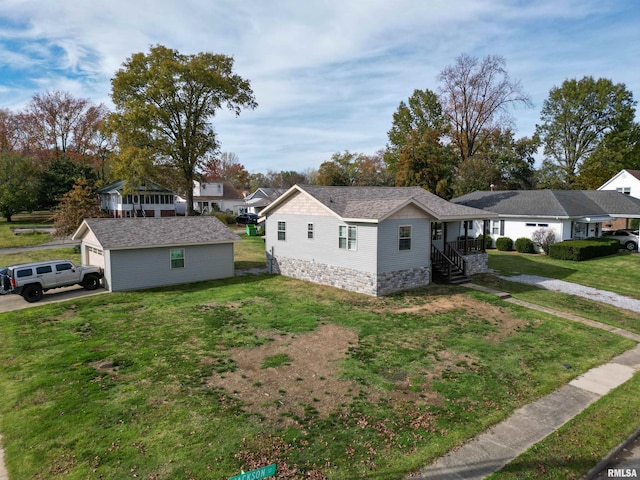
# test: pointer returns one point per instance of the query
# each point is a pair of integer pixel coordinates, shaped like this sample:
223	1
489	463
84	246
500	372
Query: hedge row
579	250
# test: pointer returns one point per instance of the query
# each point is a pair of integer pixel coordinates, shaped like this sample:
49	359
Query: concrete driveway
12	302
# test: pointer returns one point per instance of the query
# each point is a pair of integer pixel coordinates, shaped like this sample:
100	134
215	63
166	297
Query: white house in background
373	240
628	183
153	252
571	214
261	198
217	196
148	199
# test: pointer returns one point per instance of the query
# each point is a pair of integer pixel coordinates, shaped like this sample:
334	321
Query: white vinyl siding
148	267
390	258
325	245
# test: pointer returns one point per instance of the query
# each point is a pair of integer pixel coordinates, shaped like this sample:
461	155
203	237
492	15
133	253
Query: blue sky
327	74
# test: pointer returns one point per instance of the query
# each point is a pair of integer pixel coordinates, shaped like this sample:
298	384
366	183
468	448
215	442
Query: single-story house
257	201
627	182
217	196
152	252
373	240
571	214
148	199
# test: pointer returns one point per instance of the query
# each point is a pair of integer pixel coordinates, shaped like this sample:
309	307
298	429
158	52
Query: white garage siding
151	267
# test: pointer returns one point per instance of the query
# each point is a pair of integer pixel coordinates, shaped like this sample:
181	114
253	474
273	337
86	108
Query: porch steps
457	277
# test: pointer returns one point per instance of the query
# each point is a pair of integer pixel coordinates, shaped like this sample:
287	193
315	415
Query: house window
469	224
625	190
530	224
282	231
436	231
404	238
310	231
177	258
495	227
543	224
347	237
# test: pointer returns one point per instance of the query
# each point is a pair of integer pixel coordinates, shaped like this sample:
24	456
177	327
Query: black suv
247	219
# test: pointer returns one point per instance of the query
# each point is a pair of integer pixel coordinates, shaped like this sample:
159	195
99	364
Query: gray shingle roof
553	203
376	203
120	233
145	186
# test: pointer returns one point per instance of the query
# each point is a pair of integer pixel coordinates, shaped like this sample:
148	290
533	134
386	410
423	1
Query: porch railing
465	246
448	261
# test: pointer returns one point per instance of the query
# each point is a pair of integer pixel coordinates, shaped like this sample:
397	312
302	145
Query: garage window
177	258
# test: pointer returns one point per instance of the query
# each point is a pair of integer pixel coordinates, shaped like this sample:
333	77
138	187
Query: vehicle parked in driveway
247	219
5	283
628	238
31	280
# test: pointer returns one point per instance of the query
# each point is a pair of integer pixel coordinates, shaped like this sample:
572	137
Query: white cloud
327	74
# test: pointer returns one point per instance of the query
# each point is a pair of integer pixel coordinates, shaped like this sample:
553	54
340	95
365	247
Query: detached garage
138	253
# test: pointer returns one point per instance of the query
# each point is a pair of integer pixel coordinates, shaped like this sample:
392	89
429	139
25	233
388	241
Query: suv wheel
32	293
91	282
631	246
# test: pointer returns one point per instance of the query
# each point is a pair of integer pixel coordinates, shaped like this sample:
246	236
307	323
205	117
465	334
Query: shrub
579	250
488	241
504	244
225	217
525	245
544	238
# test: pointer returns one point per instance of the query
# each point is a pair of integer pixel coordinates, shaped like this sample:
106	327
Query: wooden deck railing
466	246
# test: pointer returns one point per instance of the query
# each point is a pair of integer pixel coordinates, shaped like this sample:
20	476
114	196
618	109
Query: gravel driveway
619	301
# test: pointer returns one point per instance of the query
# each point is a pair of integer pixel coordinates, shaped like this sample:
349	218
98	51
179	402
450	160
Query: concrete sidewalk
530	424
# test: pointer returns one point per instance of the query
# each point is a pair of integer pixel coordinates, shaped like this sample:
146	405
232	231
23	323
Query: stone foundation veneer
477	263
349	279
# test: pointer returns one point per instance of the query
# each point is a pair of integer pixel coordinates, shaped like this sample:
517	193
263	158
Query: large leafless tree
476	96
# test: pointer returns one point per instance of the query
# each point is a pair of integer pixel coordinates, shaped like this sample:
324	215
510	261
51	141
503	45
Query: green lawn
617	273
599	273
8	239
203	380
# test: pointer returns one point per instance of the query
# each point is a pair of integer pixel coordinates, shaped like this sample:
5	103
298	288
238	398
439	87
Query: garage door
95	256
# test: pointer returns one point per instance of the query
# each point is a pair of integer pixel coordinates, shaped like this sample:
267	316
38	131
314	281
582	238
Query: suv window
27	272
63	266
44	269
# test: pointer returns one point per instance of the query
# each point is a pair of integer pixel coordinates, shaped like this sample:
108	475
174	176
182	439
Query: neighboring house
571	214
217	196
145	200
261	198
152	252
627	182
373	240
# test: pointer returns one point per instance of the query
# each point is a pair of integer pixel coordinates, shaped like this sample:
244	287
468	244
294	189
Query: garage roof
127	233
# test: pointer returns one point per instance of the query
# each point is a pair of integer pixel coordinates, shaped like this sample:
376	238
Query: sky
327	74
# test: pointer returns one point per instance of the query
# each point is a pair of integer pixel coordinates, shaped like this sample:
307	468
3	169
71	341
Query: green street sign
257	474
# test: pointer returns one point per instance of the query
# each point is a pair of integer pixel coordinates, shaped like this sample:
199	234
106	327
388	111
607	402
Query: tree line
453	139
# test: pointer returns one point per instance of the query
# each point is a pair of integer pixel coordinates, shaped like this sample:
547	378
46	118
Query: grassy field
617	273
9	240
203	380
601	273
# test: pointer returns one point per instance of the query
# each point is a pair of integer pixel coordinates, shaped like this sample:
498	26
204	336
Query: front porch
456	260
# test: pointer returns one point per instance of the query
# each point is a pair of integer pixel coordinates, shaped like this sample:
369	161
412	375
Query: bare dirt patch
308	382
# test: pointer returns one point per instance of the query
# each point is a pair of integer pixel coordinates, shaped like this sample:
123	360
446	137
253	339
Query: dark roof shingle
117	233
375	203
552	203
